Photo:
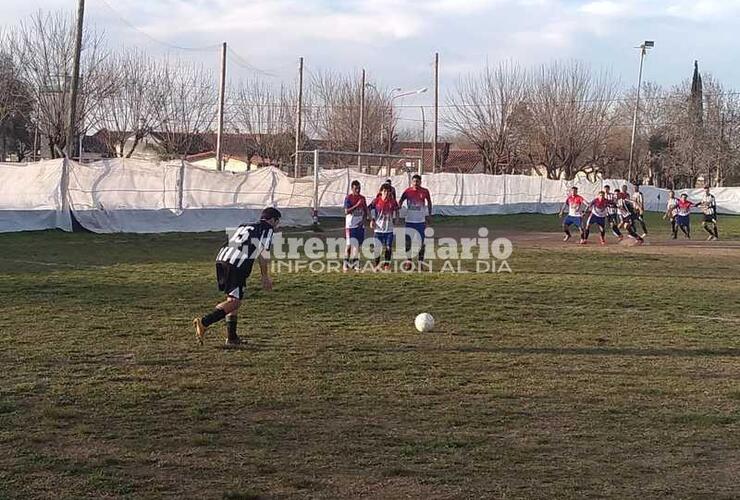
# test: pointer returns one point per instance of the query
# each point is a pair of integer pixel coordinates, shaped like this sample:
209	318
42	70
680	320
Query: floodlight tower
647	44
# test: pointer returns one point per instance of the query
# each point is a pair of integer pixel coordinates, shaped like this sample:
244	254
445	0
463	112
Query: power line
155	40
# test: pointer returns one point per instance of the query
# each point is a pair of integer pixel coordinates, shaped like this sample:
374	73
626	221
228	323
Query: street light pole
423	138
643	50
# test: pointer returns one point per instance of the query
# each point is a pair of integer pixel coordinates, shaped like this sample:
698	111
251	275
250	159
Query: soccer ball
424	322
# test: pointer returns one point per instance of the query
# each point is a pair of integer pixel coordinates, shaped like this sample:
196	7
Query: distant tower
696	101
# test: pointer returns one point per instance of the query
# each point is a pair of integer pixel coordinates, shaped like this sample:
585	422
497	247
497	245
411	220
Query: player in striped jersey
233	266
628	215
612	217
639	201
670	213
708	206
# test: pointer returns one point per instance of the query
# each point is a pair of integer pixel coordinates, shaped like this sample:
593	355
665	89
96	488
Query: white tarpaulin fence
135	196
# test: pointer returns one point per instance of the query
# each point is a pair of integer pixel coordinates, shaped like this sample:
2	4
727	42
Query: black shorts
628	219
612	218
232	280
710	218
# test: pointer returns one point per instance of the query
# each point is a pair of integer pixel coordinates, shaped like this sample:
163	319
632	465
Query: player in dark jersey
628	214
708	206
233	266
612	217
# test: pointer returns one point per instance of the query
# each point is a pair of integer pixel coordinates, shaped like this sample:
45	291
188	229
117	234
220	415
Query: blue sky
396	39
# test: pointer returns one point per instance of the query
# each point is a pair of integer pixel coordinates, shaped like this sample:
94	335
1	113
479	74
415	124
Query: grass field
600	372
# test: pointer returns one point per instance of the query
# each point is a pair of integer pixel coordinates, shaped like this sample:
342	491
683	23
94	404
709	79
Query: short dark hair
386	187
387	181
270	213
607	186
355	183
416	176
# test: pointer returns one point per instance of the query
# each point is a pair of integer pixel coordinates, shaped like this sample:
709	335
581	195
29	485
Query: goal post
314	161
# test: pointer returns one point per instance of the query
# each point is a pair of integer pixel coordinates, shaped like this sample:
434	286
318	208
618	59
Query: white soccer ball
424	322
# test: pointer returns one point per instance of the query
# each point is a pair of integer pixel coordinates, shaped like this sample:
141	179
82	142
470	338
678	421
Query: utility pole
69	145
362	118
221	92
643	50
423	139
436	111
298	120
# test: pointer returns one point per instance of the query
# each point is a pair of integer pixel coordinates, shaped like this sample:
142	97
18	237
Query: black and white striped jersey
611	200
708	204
245	244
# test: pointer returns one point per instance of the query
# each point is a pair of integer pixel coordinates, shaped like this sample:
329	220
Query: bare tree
483	110
126	115
721	131
184	106
267	116
569	116
15	108
651	138
42	46
336	115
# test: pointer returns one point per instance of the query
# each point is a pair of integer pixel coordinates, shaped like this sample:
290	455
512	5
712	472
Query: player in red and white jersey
356	213
384	210
598	208
683	215
419	207
670	213
575	204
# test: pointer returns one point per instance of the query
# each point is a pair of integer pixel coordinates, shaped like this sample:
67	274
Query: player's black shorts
612	218
710	218
232	280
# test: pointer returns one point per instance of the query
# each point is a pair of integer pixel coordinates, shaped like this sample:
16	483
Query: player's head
385	191
355	186
607	188
388	181
574	190
671	194
637	188
624	188
416	180
684	196
706	188
602	193
271	215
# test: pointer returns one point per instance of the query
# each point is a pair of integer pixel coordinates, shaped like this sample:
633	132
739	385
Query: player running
670	213
233	266
598	209
356	213
384	210
612	217
575	204
628	215
639	201
683	215
419	205
708	206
